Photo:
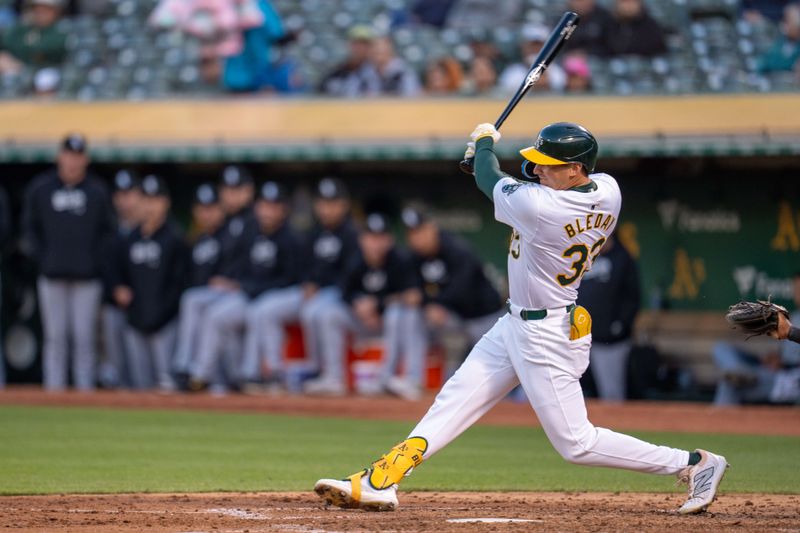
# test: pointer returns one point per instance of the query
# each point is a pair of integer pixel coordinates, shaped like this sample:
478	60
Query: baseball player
153	266
379	293
236	192
5	233
558	226
65	221
456	294
125	199
208	219
273	263
331	244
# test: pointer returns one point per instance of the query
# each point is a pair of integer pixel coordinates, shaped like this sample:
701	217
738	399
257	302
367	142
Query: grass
87	450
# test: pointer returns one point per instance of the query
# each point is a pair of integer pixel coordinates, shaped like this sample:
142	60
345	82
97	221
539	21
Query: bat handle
467	166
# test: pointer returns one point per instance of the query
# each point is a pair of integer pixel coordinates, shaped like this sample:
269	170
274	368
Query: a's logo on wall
690	273
679	217
753	283
786	237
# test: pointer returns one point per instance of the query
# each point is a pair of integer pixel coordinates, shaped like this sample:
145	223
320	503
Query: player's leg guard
398	463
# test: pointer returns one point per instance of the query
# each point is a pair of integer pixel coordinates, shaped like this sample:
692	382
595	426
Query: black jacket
331	251
273	261
155	269
112	247
5	219
640	36
64	228
393	277
610	291
206	258
591	37
233	245
454	278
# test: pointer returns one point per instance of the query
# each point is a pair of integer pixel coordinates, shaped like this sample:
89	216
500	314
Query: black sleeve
121	268
405	273
652	41
178	271
31	224
351	281
631	292
462	264
5	218
288	262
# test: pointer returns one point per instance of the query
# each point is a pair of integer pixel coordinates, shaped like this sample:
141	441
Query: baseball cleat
357	492
324	387
703	479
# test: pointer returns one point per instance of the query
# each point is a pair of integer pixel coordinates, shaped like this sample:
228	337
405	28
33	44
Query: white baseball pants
539	355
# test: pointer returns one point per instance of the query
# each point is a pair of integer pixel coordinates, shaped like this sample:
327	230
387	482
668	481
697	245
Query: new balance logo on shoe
702	481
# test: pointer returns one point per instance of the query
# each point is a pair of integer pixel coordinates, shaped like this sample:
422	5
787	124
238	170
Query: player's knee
577	450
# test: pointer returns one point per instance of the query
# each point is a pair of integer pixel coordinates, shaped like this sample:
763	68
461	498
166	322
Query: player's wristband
794	334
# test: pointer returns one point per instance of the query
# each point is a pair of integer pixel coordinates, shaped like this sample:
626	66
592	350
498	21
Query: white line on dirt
492	520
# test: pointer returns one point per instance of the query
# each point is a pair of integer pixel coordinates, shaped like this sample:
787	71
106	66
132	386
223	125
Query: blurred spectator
443	77
153	266
481	78
432	12
65	222
353	77
126	200
36	41
632	31
579	76
5	234
784	54
219	24
395	77
594	21
491	13
756	11
774	377
610	291
482	45
532	38
254	68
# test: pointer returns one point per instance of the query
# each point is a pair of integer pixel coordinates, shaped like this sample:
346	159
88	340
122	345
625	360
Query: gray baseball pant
609	369
150	356
223	320
114	371
265	336
405	341
311	311
69	312
194	303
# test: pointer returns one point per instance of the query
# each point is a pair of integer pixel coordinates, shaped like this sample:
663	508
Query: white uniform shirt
556	235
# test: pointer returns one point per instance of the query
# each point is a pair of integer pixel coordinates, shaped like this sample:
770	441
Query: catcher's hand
756	318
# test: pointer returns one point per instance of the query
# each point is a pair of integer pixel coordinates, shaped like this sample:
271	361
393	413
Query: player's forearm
487	168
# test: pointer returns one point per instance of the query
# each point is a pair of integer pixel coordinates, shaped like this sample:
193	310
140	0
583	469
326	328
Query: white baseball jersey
556	236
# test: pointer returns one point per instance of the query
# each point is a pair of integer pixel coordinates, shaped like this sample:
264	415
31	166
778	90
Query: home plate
492	520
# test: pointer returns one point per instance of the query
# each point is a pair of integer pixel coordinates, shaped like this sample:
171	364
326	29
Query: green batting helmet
563	143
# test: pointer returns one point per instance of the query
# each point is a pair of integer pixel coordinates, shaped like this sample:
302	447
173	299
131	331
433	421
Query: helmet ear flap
527	171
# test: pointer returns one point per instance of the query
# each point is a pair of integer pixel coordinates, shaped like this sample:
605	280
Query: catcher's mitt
755	318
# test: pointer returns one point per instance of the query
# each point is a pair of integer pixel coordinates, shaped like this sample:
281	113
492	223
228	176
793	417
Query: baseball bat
555	41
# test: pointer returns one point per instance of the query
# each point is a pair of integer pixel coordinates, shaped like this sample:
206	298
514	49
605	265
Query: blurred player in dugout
221	270
273	262
379	295
152	267
65	222
126	198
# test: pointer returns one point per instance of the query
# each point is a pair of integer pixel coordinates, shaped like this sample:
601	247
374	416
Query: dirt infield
439	512
632	416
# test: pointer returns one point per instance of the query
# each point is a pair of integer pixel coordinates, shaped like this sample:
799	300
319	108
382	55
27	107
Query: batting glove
485	130
470	152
